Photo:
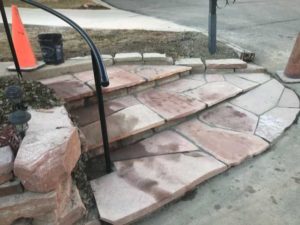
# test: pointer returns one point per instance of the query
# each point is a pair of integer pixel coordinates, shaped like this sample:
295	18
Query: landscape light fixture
14	94
19	119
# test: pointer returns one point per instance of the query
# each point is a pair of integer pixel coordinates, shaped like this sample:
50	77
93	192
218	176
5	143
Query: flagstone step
123	80
159	107
163	167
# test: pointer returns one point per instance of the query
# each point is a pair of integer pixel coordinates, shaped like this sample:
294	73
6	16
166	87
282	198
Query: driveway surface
268	27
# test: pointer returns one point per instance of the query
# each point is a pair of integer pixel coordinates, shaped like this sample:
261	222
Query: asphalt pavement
267	27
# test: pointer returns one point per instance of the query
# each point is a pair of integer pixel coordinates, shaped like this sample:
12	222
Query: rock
128	58
6	160
49	151
10	188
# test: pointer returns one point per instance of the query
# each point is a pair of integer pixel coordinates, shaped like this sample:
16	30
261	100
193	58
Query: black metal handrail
100	75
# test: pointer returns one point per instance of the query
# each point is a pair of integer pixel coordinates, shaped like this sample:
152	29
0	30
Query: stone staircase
170	127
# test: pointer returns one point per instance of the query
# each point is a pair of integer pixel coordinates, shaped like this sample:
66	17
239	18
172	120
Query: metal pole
10	41
101	114
212	27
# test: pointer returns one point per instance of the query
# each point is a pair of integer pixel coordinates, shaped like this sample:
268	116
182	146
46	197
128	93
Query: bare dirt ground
175	44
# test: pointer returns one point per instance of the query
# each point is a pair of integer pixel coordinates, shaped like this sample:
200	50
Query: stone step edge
81	64
116	144
82	101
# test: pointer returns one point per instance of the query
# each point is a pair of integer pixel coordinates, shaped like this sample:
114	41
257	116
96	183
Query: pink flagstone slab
213	93
230	147
273	123
155	72
119	78
244	84
122	124
141	186
170	105
289	99
6	160
182	85
68	87
49	151
214	77
262	98
225	64
118	104
230	117
167	142
85	76
255	77
199	77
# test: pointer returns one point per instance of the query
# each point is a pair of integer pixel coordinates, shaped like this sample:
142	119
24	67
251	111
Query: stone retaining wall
37	185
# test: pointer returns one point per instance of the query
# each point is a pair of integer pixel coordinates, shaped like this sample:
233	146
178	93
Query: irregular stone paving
261	99
161	168
230	117
167	178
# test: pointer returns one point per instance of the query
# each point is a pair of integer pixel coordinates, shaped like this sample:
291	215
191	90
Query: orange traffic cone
21	42
292	69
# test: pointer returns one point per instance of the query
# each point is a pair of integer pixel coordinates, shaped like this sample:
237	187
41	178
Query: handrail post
101	111
212	27
10	41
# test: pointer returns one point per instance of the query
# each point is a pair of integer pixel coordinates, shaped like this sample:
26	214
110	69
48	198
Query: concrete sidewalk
113	19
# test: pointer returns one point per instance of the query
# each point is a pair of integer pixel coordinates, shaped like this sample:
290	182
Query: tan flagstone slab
142	186
167	142
225	64
68	87
255	77
124	123
182	85
252	68
228	146
155	72
85	76
196	64
260	99
118	79
230	117
170	105
289	99
213	93
244	84
214	78
273	123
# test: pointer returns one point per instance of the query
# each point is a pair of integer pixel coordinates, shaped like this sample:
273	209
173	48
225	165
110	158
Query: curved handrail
95	52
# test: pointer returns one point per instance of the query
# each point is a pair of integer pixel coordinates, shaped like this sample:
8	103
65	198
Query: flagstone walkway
201	125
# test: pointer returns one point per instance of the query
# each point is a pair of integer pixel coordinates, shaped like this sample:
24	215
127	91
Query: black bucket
52	48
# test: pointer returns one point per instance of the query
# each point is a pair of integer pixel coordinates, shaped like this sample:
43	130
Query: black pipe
100	75
10	41
102	115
